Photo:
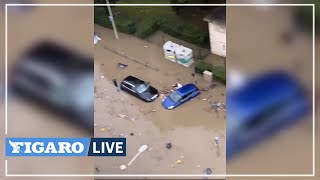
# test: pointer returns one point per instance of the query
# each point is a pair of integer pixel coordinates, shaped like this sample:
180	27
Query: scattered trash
116	84
212	86
178	161
217	140
133	120
198	166
123	167
204	99
218	106
181	157
207	171
145	46
102	77
177	86
122	66
96	39
123	116
169	145
141	150
154	110
172	165
102	129
97	169
139	134
131	134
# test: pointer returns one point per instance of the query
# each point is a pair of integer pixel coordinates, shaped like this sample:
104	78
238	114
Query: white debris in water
218	106
122	115
96	39
217	140
123	167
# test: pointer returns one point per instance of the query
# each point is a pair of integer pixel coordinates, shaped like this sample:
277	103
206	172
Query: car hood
149	93
167	102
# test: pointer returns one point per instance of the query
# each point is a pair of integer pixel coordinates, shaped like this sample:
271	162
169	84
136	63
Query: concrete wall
217	39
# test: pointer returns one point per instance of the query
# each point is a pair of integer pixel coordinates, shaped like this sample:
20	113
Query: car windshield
142	87
175	96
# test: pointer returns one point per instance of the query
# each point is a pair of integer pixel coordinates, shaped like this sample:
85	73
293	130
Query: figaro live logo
65	146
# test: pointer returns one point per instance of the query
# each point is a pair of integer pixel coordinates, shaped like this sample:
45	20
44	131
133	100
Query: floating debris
123	167
122	115
168	145
207	171
212	86
133	119
178	161
218	106
140	150
217	140
122	66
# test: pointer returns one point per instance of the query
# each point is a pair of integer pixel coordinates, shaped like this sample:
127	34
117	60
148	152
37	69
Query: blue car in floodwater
180	96
261	107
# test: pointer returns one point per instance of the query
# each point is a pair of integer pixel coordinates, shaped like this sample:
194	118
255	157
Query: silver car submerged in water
59	79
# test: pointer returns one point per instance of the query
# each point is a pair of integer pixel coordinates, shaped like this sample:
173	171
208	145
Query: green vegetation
303	15
147	27
219	73
203	66
142	21
123	24
184	31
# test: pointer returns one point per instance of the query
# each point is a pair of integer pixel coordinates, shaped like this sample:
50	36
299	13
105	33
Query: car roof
187	88
133	80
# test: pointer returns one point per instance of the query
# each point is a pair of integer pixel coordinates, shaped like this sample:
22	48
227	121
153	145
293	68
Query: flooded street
191	128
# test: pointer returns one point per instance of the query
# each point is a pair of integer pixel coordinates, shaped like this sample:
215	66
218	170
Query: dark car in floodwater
57	78
139	89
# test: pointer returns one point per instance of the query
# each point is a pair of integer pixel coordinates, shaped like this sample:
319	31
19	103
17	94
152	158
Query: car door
186	97
129	88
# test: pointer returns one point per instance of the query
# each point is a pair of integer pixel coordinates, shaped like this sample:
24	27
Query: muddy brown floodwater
191	128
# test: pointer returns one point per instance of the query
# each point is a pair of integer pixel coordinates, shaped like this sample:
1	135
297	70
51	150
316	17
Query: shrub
123	24
219	74
203	66
147	27
170	27
193	35
183	31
